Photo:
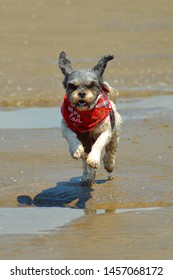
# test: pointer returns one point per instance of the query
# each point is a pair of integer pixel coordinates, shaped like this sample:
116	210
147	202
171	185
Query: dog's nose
81	94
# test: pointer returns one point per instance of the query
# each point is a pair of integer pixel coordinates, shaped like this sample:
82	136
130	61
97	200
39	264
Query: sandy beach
44	212
128	211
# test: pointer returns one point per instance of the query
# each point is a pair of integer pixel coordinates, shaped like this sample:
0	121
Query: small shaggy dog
90	122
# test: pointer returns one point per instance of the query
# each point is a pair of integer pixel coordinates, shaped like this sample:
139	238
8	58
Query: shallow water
30	118
44	220
35	220
130	109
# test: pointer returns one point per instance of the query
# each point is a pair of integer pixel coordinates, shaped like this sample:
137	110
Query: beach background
44	213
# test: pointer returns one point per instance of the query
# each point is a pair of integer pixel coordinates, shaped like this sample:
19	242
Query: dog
90	120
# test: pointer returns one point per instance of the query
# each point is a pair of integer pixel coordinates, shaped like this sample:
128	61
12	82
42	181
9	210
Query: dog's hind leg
110	154
110	149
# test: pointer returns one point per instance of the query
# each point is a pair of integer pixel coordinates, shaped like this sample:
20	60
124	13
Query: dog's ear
101	65
65	64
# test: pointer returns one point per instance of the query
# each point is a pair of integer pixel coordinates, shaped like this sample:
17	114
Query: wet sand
129	217
32	35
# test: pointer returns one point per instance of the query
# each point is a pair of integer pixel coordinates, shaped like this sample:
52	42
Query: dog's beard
84	103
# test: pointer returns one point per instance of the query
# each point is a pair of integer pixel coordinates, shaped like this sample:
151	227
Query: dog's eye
91	85
72	86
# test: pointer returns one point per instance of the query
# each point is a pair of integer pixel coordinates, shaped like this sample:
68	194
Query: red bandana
84	121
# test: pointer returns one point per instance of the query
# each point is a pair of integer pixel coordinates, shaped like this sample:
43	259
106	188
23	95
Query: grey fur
101	65
96	73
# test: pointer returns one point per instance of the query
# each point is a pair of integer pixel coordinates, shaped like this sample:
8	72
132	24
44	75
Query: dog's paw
78	153
93	160
109	162
109	166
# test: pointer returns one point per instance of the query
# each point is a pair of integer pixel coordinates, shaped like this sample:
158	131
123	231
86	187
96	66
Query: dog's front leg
93	159
75	146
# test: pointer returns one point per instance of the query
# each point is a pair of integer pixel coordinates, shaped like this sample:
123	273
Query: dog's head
83	86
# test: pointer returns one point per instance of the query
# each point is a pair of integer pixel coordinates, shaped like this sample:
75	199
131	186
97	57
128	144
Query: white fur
105	138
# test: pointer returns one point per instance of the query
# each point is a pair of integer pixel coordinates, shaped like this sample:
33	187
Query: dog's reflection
89	211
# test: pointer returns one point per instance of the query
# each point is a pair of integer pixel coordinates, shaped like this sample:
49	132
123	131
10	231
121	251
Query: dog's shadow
64	194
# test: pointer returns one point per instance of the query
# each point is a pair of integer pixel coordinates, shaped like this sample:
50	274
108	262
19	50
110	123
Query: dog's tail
110	91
